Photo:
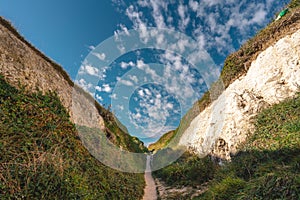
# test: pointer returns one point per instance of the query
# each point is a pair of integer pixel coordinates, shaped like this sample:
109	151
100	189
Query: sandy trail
150	189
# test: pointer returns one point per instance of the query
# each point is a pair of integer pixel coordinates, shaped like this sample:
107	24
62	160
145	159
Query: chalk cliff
272	77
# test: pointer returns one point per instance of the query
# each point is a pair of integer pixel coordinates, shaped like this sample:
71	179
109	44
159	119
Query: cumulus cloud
104	88
93	71
98	97
184	16
133	78
153	111
91	47
120	107
87	69
125	65
124	82
101	56
211	22
113	96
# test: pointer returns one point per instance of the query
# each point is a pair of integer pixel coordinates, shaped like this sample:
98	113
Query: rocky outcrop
20	63
273	77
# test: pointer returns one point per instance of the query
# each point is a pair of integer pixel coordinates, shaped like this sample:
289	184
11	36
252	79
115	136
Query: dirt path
150	189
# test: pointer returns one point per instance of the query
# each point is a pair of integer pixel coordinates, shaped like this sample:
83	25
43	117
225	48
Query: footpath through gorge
150	189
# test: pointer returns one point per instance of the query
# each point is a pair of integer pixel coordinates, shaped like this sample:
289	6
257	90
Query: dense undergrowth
266	167
42	156
188	170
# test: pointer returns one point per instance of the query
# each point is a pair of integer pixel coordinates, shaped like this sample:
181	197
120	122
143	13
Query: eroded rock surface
22	64
273	77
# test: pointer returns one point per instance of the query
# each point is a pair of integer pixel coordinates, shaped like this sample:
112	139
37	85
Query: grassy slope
267	166
119	137
162	142
42	156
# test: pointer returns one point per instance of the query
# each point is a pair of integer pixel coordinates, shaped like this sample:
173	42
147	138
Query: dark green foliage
228	188
188	170
43	158
294	3
121	138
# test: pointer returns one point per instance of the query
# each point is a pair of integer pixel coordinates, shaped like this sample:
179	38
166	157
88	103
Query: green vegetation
188	170
162	142
121	137
294	4
42	156
266	167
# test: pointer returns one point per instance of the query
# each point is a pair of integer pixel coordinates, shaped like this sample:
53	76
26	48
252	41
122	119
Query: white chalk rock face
273	77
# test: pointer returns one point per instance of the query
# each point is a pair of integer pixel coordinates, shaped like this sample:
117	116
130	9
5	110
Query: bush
188	170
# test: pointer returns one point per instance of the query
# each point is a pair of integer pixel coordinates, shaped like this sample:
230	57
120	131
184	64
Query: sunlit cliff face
272	77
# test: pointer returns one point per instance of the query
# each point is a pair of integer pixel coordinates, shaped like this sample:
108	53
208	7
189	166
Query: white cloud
153	111
125	65
120	107
213	22
124	29
91	47
98	88
193	5
87	69
113	96
184	16
85	85
138	23
104	88
133	78
101	56
157	14
93	71
124	82
147	91
99	98
141	93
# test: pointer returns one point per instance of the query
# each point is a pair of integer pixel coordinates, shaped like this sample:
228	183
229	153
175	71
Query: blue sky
150	78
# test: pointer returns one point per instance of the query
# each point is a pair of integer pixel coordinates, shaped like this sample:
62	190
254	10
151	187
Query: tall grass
42	156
